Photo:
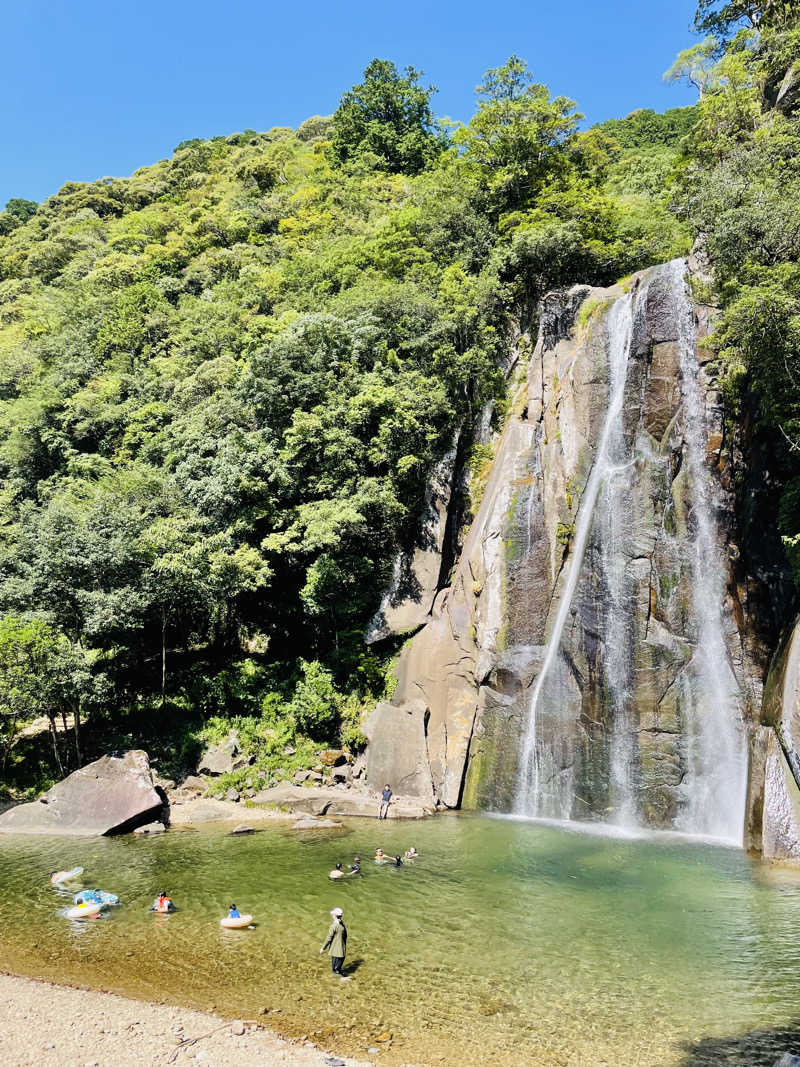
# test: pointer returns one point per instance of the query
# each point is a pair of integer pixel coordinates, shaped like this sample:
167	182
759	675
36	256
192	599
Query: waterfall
715	744
710	742
529	800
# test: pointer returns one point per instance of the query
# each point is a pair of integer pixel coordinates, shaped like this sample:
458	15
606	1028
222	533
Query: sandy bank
43	1024
211	809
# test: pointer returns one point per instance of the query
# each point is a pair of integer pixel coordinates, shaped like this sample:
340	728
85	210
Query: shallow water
507	942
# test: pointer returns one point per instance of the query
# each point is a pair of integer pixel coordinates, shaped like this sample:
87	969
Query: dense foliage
225	379
739	189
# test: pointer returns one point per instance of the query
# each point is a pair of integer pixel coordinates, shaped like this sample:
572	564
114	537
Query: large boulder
220	759
780	831
781	707
400	756
113	795
772	827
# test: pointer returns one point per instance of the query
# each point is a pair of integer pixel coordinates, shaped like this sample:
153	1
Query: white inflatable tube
85	911
66	876
236	924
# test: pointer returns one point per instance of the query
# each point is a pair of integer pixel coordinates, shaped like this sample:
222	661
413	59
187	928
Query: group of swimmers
163	904
381	859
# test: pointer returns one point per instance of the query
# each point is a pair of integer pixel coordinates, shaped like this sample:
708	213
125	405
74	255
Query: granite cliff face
596	654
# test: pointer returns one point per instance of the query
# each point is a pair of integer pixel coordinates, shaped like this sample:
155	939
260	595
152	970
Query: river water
506	942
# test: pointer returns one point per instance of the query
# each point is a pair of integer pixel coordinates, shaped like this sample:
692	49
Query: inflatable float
236	924
57	877
95	896
85	911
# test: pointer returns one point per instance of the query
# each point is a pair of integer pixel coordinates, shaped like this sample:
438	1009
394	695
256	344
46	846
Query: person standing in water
336	943
386	797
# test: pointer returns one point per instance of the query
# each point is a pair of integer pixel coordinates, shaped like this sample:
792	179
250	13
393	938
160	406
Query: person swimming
397	861
379	856
233	912
337	872
411	853
355	866
162	903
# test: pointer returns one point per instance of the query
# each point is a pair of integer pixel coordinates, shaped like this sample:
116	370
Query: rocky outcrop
330	801
781	707
454	726
773	824
220	759
113	795
416	574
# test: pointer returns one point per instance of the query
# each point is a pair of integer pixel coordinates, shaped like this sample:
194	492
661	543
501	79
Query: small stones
237	1028
151	828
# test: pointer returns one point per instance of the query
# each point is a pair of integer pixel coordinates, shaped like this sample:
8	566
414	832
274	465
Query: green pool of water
506	942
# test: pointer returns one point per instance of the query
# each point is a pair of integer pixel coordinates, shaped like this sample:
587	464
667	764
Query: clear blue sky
90	88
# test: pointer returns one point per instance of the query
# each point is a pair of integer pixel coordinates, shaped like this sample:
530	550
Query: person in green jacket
336	943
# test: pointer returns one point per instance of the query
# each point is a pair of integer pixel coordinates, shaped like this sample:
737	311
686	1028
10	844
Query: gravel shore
43	1024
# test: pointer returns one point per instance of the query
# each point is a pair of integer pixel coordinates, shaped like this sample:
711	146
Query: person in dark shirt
386	797
355	866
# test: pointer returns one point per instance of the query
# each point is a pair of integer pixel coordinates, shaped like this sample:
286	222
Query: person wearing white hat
336	943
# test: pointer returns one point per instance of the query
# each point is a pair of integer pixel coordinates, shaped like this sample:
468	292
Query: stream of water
508	942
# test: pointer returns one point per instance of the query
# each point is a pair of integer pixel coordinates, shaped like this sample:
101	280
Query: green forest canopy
224	380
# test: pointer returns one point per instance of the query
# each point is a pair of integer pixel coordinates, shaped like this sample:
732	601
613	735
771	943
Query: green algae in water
506	942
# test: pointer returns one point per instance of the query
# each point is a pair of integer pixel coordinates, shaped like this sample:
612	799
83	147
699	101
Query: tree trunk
77	728
66	732
163	653
53	735
9	743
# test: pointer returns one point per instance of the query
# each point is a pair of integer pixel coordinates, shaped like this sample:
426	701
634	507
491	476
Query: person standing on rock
386	797
336	943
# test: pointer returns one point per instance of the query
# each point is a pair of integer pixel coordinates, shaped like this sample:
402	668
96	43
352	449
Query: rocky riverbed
42	1024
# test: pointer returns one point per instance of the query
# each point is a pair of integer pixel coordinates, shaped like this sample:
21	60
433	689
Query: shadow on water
757	1048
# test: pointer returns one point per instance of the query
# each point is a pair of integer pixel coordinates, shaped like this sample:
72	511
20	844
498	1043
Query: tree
316	702
723	19
389	116
22	209
41	673
515	136
696	64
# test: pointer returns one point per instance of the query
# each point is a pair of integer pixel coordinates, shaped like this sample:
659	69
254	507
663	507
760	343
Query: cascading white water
620	321
715	783
614	521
